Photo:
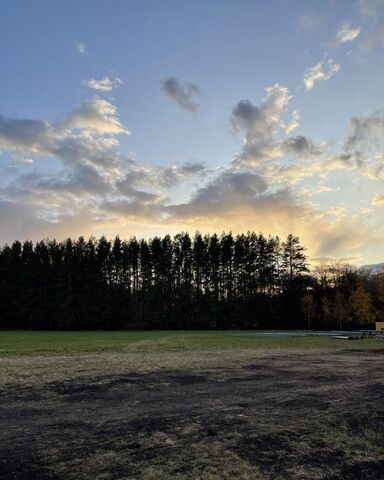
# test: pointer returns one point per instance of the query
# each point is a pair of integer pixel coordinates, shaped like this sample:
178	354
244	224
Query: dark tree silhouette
208	281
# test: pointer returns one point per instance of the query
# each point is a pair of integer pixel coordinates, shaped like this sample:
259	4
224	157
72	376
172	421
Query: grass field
189	405
38	342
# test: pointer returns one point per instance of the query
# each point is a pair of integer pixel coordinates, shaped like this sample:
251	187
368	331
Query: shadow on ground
283	416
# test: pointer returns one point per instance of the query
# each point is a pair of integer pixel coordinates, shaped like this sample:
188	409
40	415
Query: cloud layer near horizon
98	189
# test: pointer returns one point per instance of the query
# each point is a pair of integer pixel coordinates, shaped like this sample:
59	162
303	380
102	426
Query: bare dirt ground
278	414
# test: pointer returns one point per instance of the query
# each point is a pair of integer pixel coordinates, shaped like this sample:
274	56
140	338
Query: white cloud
378	201
337	212
236	198
364	147
260	125
89	132
346	34
22	160
105	84
293	123
265	131
342	235
81	48
85	142
98	190
95	180
317	190
97	115
322	71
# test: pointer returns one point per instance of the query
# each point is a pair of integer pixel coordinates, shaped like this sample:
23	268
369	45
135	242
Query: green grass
37	342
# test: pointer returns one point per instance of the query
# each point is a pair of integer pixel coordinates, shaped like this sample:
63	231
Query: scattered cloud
293	123
317	190
322	71
85	142
293	173
267	133
378	201
139	208
363	148
139	177
81	48
88	133
238	200
173	175
367	128
97	189
235	199
300	147
23	135
342	236
96	115
22	160
260	125
182	94
105	84
337	212
346	34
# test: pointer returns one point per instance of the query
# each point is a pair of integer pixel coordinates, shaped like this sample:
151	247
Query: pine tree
294	261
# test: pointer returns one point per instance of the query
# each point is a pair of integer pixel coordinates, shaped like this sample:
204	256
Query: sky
147	117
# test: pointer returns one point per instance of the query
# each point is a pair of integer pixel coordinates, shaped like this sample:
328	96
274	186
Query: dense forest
210	281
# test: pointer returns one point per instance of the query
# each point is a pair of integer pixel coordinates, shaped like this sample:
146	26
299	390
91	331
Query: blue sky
208	147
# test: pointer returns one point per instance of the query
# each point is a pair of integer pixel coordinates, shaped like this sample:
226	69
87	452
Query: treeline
210	281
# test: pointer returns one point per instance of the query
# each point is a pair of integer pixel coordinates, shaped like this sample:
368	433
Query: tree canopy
205	281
